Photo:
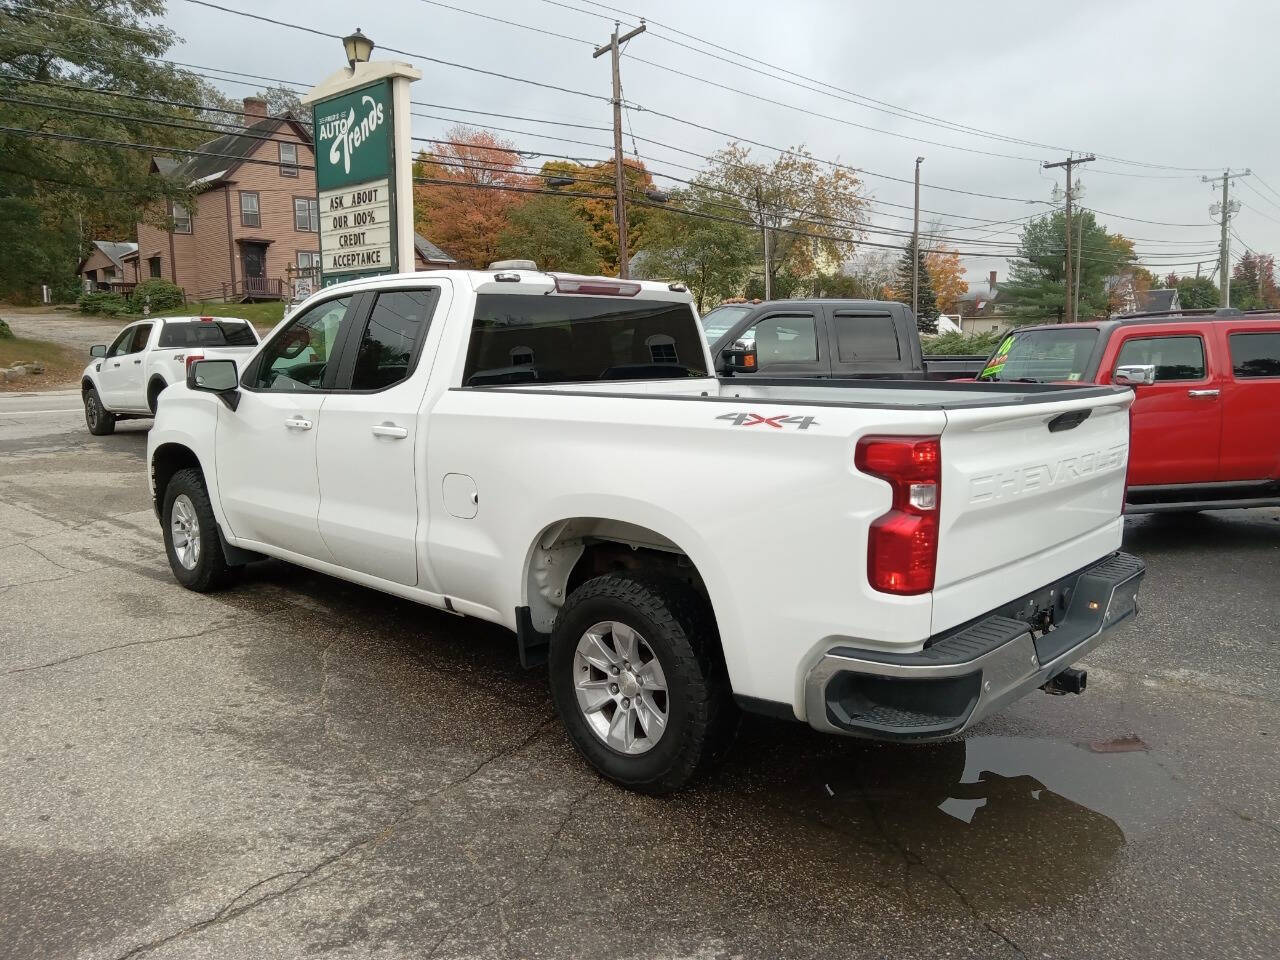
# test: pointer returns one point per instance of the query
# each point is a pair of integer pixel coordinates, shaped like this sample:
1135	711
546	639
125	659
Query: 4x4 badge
778	422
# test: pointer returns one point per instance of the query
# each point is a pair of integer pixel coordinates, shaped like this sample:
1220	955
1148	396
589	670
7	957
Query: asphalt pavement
302	767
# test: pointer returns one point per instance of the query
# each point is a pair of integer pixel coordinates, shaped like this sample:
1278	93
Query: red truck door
1250	401
1176	421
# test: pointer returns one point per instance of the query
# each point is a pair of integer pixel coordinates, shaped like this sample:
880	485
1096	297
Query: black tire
677	625
153	395
211	570
100	421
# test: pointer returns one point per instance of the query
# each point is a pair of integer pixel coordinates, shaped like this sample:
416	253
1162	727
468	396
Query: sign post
364	170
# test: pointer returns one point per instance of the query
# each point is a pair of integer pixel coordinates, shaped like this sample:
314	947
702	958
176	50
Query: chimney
255	109
991	277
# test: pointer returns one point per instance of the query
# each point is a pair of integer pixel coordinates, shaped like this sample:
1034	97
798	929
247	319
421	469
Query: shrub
112	304
163	294
961	343
5	332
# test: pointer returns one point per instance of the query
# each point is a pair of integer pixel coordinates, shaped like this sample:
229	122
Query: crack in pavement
910	860
132	643
552	843
229	910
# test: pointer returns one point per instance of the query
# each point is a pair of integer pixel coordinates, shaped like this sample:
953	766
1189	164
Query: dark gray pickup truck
866	339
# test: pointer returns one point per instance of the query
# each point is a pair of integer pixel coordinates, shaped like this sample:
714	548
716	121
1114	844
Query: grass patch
263	315
63	365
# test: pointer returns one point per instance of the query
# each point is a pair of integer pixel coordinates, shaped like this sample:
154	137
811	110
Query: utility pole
1069	163
1075	297
915	249
619	173
764	233
1226	210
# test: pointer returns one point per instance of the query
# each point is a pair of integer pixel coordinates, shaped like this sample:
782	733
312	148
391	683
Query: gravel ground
299	766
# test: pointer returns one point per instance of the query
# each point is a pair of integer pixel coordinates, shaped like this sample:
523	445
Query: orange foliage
946	273
463	220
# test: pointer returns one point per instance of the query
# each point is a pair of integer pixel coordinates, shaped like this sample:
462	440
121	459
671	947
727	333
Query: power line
407	53
76	138
850	96
1260	194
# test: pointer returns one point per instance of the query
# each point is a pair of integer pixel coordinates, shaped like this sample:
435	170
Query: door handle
389	430
137	361
298	423
1202	393
116	363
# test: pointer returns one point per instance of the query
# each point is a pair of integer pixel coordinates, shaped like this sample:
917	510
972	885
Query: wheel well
85	385
155	386
571	552
168	459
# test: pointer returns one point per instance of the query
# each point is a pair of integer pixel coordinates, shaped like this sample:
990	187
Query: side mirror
216	376
98	350
740	359
1135	375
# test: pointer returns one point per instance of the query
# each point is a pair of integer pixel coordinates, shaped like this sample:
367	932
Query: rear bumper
965	674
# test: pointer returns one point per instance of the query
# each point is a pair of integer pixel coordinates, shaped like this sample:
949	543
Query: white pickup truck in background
884	559
125	379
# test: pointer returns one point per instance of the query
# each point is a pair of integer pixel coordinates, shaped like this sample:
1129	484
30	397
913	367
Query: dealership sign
355	181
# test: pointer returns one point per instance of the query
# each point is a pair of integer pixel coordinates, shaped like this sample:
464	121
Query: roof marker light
591	286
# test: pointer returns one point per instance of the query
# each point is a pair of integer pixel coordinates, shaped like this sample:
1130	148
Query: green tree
547	231
710	255
926	300
1198	293
811	212
58	195
1036	289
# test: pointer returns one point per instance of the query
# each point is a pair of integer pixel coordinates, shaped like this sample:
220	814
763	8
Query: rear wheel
639	683
191	534
100	421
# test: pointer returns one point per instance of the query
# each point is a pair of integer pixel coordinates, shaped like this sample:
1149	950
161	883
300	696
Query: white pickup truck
125	379
885	559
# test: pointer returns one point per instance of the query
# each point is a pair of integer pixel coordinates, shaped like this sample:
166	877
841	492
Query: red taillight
598	288
902	546
192	358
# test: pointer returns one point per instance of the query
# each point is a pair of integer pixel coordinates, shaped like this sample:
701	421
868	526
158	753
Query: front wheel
191	534
639	681
100	421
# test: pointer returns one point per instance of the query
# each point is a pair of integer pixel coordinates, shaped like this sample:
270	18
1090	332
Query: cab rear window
207	333
517	338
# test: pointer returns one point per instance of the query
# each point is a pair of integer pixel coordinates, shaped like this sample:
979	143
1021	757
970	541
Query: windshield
720	321
1043	356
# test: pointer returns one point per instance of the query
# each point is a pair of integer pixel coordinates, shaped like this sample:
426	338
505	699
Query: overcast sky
1185	85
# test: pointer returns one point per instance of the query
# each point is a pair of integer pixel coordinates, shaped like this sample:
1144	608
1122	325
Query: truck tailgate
1029	494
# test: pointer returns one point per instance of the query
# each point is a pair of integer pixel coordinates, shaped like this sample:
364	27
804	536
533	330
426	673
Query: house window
306	214
309	259
153	266
249	213
288	159
181	218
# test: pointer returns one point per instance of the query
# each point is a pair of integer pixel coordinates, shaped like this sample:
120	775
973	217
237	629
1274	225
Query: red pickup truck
1206	421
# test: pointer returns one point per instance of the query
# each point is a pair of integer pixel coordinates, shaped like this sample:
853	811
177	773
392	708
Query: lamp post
358	47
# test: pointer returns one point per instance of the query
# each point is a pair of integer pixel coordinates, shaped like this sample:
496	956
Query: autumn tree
1253	282
466	208
810	211
946	274
596	209
1198	293
545	230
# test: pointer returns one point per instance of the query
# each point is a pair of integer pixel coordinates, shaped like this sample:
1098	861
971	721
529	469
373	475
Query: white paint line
26	413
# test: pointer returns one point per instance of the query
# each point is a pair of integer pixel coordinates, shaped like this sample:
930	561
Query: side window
1255	355
298	356
1175	358
866	338
790	338
123	343
389	345
142	333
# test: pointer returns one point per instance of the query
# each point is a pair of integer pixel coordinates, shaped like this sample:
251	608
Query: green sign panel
355	183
